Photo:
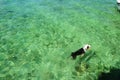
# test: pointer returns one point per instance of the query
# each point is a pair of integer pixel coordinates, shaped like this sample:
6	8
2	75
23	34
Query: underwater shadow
114	74
87	57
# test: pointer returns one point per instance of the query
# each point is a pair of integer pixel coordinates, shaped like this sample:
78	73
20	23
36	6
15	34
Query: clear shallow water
38	36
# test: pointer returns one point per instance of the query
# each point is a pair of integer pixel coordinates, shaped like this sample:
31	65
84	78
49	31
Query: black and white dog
118	5
81	51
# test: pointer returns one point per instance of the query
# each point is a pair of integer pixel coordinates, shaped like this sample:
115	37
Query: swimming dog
81	51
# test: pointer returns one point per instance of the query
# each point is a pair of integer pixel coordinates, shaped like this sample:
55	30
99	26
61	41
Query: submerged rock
114	74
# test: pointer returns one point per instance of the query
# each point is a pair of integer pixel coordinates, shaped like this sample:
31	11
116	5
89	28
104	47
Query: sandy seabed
38	36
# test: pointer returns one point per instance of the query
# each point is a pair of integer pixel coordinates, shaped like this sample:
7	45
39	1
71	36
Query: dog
81	51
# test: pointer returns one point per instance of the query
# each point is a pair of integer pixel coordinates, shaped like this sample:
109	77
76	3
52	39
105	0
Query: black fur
78	52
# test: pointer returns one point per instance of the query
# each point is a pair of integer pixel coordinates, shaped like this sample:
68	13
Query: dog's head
86	47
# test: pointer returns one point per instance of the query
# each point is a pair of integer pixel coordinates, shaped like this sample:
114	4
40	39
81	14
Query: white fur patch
118	1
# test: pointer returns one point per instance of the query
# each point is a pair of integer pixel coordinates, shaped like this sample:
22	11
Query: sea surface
37	38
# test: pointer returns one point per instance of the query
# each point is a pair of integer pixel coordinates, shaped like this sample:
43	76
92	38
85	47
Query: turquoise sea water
38	36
